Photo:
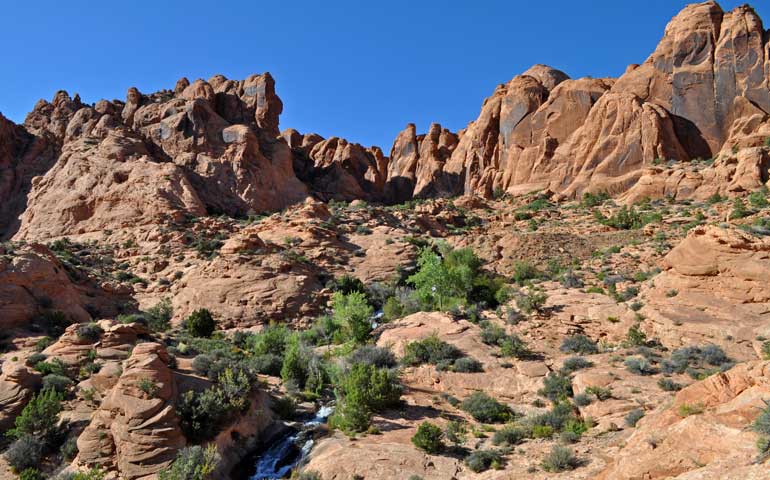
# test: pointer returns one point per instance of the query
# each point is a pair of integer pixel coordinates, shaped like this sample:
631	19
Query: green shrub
739	210
90	332
40	416
758	199
452	277
556	387
347	284
510	345
35	358
687	409
148	386
455	432
766	350
361	390
159	316
202	413
69	448
532	300
486	409
668	385
601	393
635	337
272	340
509	435
581	400
200	323
392	309
379	357
761	425
591	200
467	365
627	218
430	350
192	463
573	364
523	271
58	383
31	474
55	366
429	438
53	322
26	452
482	460
579	344
354	313
697	361
560	459
634	416
639	366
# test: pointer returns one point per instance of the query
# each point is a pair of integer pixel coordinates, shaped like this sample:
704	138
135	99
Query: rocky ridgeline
214	146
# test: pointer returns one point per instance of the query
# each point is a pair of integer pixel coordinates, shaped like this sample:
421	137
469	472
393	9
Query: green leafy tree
354	313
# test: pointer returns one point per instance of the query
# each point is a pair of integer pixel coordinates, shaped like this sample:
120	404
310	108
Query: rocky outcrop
336	169
714	444
714	277
208	147
135	431
416	165
33	280
17	385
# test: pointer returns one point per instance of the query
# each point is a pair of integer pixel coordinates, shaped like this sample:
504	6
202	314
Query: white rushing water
290	450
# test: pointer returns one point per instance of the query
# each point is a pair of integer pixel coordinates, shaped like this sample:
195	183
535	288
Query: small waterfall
290	450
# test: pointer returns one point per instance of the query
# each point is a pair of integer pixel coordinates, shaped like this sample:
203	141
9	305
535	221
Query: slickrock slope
33	281
714	444
716	286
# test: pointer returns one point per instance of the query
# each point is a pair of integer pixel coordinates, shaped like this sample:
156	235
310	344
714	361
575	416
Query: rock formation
135	431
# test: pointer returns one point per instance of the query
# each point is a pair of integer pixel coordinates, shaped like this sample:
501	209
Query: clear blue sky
356	69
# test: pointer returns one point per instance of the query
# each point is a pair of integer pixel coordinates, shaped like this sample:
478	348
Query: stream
289	450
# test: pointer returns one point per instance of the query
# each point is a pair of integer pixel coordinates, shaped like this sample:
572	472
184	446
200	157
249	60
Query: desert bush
379	357
69	448
430	350
560	459
35	358
639	366
571	280
25	452
200	323
347	284
579	344
509	435
455	432
90	332
53	322
482	460
31	474
531	300
56	382
601	393
627	218
429	438
556	387
486	409
192	463
668	385
55	366
523	271
148	386
633	417
635	337
159	316
761	425
581	400
687	409
467	365
267	364
555	419
40	416
272	340
451	277
697	361
573	364
202	413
